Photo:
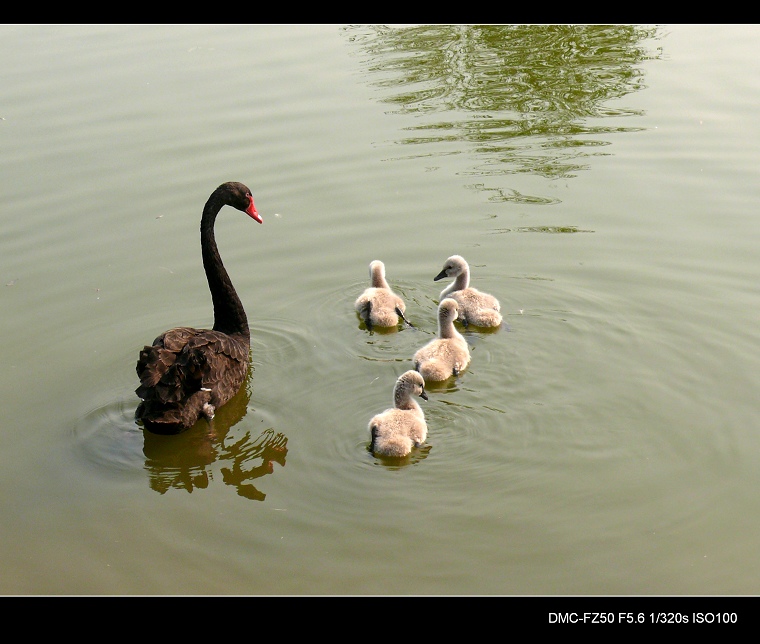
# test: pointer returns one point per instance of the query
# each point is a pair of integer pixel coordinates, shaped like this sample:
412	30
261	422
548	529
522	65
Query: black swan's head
239	196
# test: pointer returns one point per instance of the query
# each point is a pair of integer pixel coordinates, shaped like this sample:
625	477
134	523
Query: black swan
187	373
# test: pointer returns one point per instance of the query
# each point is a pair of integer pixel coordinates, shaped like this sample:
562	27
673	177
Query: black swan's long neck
229	315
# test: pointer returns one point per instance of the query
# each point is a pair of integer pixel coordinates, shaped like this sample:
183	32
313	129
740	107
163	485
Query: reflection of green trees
528	98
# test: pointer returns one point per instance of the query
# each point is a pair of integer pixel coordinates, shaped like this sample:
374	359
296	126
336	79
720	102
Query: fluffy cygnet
475	307
448	354
379	305
396	430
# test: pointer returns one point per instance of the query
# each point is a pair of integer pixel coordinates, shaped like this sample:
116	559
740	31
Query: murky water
599	180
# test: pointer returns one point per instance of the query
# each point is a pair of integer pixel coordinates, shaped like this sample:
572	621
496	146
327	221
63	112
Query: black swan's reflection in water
184	461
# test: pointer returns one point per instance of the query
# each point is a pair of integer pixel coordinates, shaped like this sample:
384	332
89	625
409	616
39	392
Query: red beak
252	212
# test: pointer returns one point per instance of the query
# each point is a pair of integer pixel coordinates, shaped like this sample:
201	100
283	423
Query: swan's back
184	371
398	429
441	358
477	308
378	305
